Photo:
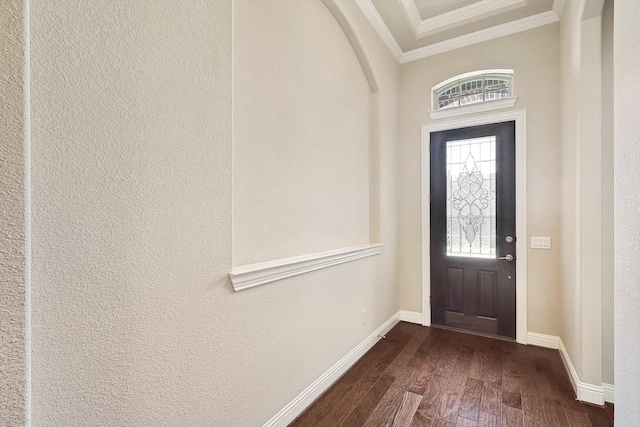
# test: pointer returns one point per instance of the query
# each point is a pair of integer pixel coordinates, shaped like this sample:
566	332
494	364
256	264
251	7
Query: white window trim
479	107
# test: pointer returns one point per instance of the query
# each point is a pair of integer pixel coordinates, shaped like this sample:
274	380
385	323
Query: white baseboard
609	393
410	316
319	386
596	394
543	340
585	392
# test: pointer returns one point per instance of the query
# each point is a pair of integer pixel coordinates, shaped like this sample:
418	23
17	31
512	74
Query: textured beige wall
607	194
300	133
570	96
534	57
131	199
590	195
570	73
626	65
13	213
587	184
134	320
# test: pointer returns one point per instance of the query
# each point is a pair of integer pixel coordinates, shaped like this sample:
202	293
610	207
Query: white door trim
520	117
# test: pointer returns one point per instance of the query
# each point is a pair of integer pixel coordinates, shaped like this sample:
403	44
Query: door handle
507	257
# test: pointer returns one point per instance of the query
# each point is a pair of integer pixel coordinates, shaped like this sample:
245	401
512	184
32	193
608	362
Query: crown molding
455	18
412	14
491	33
383	31
512	27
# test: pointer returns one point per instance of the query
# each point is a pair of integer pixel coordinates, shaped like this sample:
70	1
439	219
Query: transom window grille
472	88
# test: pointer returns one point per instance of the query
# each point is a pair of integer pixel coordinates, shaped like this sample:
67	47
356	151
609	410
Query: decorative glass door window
471	201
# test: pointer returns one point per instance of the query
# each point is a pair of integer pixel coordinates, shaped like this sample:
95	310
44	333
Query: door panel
455	283
487	288
472	187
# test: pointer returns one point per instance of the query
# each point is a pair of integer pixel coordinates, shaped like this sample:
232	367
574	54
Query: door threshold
466	331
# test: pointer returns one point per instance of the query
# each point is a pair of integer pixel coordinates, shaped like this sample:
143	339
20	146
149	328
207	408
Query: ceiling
414	29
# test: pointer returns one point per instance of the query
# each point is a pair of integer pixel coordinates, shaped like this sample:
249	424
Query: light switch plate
541	242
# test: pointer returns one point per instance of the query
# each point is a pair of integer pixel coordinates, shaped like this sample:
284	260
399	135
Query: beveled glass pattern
471	201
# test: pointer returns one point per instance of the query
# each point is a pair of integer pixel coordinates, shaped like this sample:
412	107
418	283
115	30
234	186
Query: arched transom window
473	88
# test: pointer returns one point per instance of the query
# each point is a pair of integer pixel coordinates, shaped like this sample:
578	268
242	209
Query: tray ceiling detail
414	29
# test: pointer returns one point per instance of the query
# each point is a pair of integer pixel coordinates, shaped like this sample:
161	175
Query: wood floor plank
442	423
471	399
480	344
401	360
366	406
385	410
510	385
491	398
509	348
458	378
577	419
493	368
533	410
444	357
343	388
543	365
554	413
449	406
434	390
479	365
425	374
545	386
425	414
465	422
511	417
525	366
341	408
488	420
379	356
423	351
563	383
432	366
408	407
512	399
511	379
608	407
569	401
521	386
530	384
598	416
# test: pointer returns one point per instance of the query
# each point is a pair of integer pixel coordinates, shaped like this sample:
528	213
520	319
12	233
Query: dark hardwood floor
421	376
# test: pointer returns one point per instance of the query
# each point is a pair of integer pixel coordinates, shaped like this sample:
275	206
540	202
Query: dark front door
473	221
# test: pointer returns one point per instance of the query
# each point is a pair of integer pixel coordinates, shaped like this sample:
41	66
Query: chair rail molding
252	275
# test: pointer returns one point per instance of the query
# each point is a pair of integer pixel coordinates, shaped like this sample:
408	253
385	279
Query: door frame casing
519	116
